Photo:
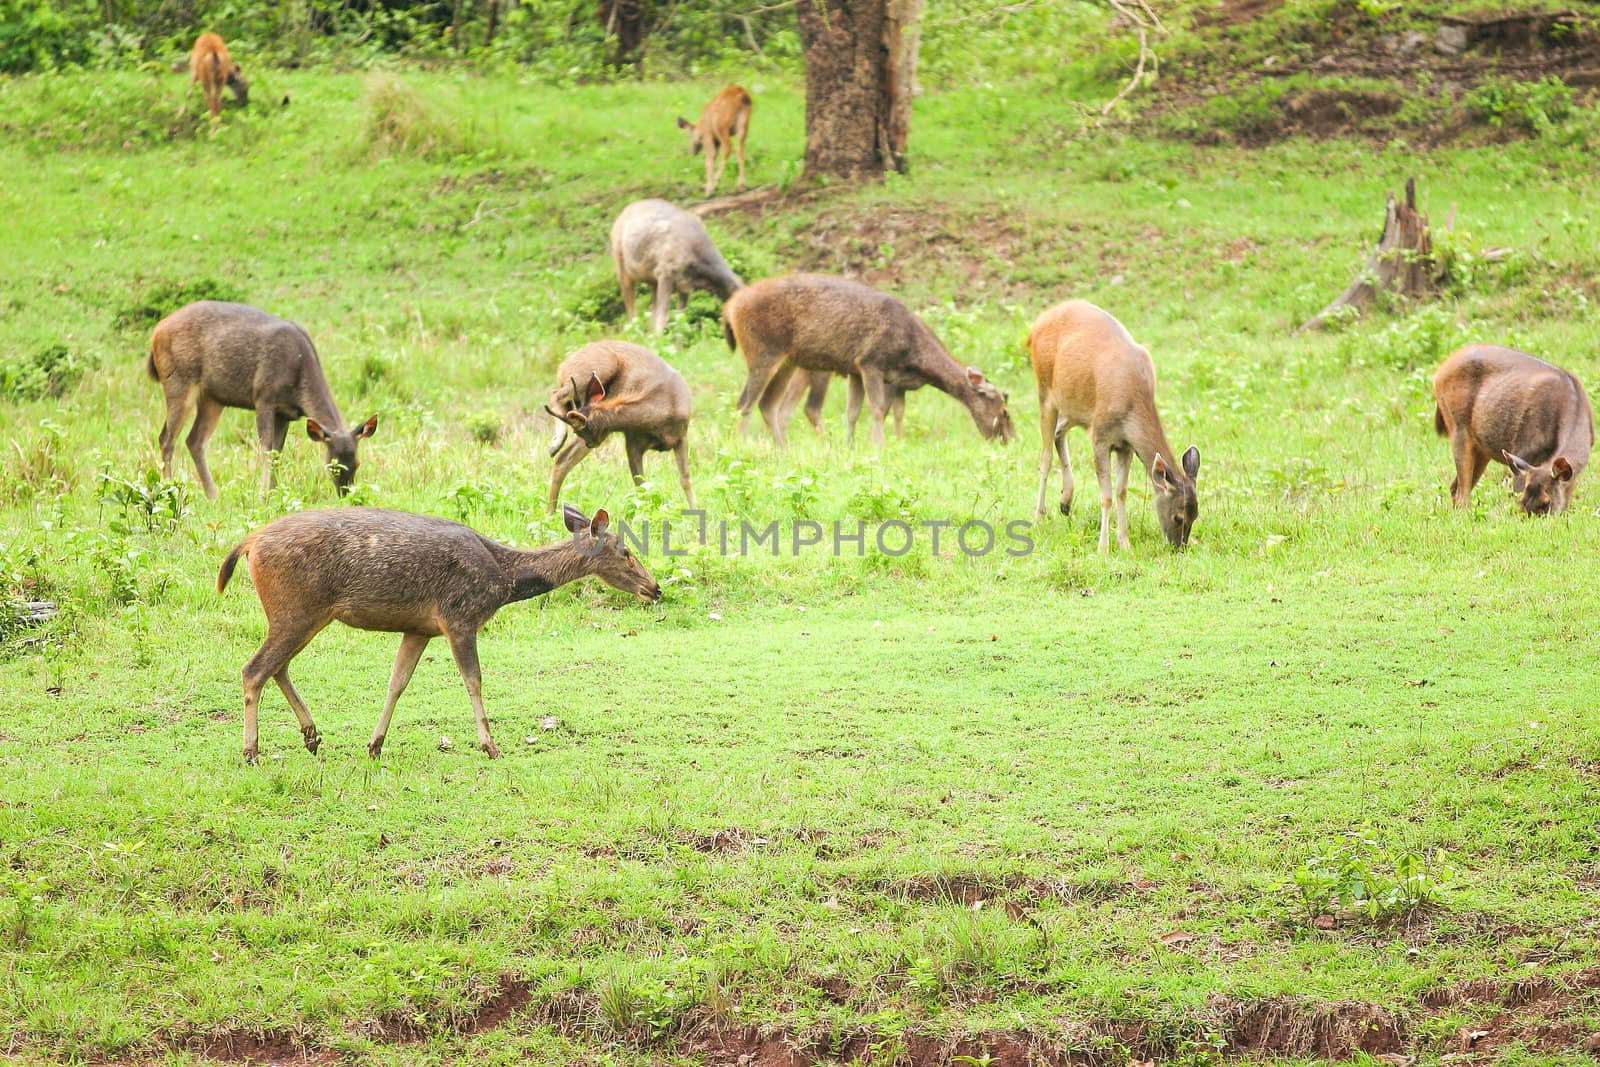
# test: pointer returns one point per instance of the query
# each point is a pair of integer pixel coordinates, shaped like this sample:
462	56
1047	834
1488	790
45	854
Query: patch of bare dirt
1544	1012
268	1048
1288	1026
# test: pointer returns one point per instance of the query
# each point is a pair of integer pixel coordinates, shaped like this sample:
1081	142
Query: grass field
873	808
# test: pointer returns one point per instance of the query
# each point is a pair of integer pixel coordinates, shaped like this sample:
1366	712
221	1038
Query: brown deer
816	323
725	120
615	387
235	356
659	244
414	575
1091	373
210	67
1500	404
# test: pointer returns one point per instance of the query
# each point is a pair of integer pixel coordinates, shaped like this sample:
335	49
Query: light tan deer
812	323
615	387
723	125
1091	373
222	355
659	244
1500	404
211	69
414	575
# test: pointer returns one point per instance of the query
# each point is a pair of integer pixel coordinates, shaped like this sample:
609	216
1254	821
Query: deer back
653	239
638	390
824	323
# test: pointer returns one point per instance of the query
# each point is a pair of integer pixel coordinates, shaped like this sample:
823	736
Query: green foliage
48	372
150	499
1363	875
1539	106
484	427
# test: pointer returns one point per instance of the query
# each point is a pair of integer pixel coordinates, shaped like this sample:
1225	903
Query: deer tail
216	67
1438	422
150	364
226	573
727	335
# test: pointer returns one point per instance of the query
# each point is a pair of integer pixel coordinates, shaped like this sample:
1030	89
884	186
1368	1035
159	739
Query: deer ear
597	389
575	520
683	123
1191	463
598	524
367	429
1159	473
974	375
1562	469
1516	463
315	431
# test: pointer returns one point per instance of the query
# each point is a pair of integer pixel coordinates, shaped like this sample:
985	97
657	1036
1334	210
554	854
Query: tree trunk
494	21
1403	262
861	61
625	20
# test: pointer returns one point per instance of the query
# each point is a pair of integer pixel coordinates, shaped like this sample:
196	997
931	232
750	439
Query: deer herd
424	577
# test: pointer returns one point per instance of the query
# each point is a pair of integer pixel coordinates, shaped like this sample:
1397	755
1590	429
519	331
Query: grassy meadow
870	808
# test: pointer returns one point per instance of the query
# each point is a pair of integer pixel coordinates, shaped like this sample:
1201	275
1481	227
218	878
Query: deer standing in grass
214	355
661	245
1091	373
1500	404
211	69
723	125
414	575
813	385
616	387
816	323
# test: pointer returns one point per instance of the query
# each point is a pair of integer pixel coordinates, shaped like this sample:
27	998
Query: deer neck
316	398
939	367
533	572
1147	439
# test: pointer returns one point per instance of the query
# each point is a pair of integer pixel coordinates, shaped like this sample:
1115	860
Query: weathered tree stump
1403	262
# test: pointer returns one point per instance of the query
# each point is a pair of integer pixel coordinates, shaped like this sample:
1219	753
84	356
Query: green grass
774	798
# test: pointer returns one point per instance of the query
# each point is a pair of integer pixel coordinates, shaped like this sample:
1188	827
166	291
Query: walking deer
1091	373
615	387
816	323
1500	404
210	67
724	122
664	246
414	575
219	355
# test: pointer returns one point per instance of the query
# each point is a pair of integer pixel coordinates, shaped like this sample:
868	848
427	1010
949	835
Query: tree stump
1403	262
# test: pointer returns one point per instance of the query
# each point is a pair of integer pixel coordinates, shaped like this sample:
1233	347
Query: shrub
49	372
1360	874
1539	106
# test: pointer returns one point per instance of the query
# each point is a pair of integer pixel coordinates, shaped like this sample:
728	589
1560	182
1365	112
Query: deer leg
266	434
819	381
566	459
205	424
1102	474
280	434
792	393
405	662
635	450
852	408
464	646
1123	459
773	411
877	400
662	304
724	149
308	729
629	291
682	452
898	406
762	367
710	163
177	411
743	130
281	646
1470	464
1047	427
1066	470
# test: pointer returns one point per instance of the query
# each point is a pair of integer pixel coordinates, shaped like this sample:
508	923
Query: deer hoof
490	749
375	747
1066	507
250	755
313	739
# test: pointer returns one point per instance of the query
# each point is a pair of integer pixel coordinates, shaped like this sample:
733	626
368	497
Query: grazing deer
1091	373
816	323
615	387
210	66
724	121
236	356
661	245
414	575
1500	404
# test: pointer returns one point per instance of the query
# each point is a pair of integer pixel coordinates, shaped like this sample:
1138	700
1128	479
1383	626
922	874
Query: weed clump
163	298
400	123
1538	107
49	372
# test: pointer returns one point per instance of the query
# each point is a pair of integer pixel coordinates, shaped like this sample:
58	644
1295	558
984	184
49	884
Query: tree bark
861	61
625	19
1403	261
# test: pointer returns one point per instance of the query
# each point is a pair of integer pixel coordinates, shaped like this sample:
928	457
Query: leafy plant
156	502
485	427
1539	106
47	372
1363	875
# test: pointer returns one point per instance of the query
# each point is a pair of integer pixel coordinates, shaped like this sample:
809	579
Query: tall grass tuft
401	123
